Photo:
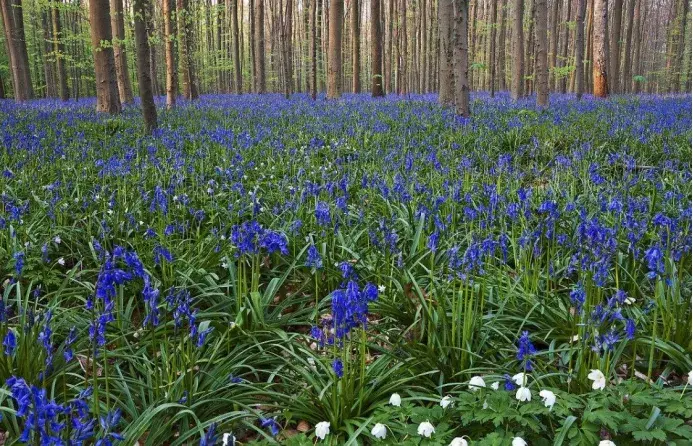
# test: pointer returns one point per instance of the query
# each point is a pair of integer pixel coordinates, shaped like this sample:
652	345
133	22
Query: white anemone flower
548	397
599	379
690	378
523	394
521	379
607	443
519	441
379	431
228	440
446	401
459	441
476	383
495	385
426	429
322	429
395	400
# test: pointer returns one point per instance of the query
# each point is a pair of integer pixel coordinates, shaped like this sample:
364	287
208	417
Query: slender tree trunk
580	49
183	48
286	49
446	94
19	62
144	79
627	57
501	47
169	54
356	45
20	41
259	40
630	84
389	56
589	50
424	49
313	50
107	98
553	43
679	74
334	63
461	54
542	70
121	61
615	46
59	51
376	49
153	36
599	56
564	50
48	56
238	84
402	75
518	51
529	50
492	49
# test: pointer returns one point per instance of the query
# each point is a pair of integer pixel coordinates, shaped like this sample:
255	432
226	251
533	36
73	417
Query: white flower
446	401
523	394
521	379
459	441
495	385
379	431
322	429
426	429
518	441
61	261
690	378
476	383
629	301
381	288
548	397
599	379
57	239
228	440
396	400
607	443
485	406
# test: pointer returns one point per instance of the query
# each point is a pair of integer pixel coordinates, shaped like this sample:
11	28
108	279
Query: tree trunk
627	57
492	49
424	49
542	70
518	51
529	50
121	61
286	44
679	75
615	46
313	50
238	84
144	80
334	62
107	98
389	56
376	50
446	94
48	56
20	40
59	50
153	37
169	54
564	51
21	83
631	85
259	44
501	47
580	49
402	32
553	43
356	45
599	56
461	54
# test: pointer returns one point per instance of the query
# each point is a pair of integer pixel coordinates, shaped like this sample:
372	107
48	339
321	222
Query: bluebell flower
10	343
18	262
210	437
338	367
313	259
525	349
272	424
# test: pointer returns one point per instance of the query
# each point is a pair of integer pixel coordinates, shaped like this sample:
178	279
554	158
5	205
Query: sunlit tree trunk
169	54
446	79
334	63
599	56
580	49
107	97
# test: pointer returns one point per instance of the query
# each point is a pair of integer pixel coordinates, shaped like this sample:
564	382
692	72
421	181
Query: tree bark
631	85
313	50
388	56
59	50
48	56
238	84
599	56
402	32
518	51
19	62
190	91
334	62
627	57
259	44
169	54
553	43
615	46
286	44
144	79
121	61
501	47
20	41
461	54
492	49
376	50
107	98
564	50
356	45
679	74
446	94
542	70
529	50
580	49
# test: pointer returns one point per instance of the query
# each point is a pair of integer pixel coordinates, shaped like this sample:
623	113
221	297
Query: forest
346	222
